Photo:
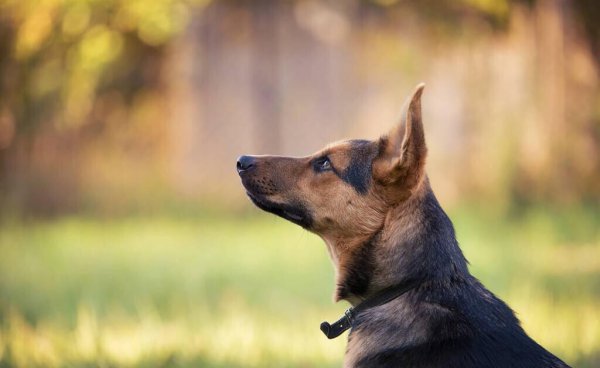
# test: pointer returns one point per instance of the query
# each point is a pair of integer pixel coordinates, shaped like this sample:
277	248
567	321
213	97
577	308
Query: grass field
218	291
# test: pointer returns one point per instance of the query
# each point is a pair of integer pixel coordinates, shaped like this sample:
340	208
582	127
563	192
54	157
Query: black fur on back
450	319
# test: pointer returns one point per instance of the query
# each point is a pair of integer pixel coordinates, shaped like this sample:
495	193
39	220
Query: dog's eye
322	164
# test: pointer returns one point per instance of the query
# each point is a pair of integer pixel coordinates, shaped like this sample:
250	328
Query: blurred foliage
61	56
80	82
452	13
84	91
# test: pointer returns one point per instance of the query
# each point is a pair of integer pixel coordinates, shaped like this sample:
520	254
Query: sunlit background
125	236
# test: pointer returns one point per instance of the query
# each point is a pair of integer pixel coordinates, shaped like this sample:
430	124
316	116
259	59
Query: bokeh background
127	241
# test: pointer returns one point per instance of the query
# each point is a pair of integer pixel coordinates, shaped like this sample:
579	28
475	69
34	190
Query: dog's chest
384	328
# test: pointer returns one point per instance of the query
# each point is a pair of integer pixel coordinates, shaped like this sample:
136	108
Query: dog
395	253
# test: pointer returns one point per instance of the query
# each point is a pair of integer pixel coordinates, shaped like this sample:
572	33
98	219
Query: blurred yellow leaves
385	2
497	8
76	19
98	46
68	46
494	7
34	31
155	21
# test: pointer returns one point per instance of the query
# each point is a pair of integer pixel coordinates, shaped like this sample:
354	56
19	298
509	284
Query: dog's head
346	189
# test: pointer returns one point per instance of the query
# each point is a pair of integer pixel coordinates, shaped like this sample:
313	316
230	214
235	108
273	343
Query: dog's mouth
295	213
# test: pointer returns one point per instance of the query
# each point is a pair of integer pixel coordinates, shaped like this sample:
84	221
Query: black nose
245	163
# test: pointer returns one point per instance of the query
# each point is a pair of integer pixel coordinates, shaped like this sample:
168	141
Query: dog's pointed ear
402	151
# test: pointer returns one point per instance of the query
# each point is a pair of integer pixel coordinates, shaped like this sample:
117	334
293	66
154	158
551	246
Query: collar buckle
335	329
340	326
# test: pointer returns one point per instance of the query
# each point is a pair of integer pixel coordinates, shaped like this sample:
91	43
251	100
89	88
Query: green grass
251	291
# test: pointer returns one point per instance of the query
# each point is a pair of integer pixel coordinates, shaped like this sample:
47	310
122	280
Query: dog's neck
354	262
415	241
418	242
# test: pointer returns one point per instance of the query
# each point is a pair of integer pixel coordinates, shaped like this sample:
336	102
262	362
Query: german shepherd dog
396	257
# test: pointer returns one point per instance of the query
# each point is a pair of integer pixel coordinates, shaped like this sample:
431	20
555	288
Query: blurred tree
72	71
60	60
589	12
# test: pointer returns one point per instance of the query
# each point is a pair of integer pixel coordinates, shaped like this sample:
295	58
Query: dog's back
449	320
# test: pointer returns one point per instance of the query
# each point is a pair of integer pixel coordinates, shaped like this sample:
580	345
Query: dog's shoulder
467	327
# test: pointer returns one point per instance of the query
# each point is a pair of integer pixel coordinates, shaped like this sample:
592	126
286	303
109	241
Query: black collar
384	296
